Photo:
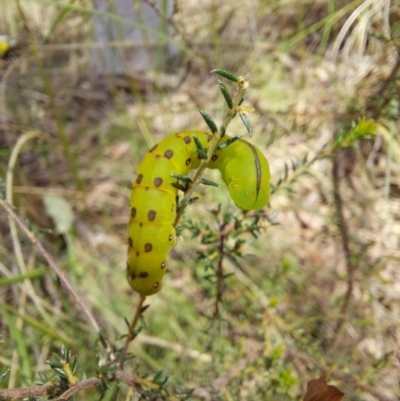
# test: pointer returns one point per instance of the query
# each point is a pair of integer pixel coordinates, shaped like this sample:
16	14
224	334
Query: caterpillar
151	234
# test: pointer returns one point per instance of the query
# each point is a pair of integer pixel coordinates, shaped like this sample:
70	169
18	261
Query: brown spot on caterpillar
137	254
140	224
187	162
158	156
143	274
170	237
132	276
172	207
209	137
130	242
139	178
162	265
153	147
168	154
133	212
146	188
187	139
215	157
158	181
155	285
151	215
148	247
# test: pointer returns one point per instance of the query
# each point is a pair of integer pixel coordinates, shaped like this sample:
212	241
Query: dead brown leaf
319	390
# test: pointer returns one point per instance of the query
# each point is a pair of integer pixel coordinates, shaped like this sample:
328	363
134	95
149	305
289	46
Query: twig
345	245
60	274
243	84
82	385
19	393
132	327
223	232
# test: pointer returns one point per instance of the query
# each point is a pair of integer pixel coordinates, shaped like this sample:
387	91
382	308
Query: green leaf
192	200
209	121
204	181
226	74
4	375
181	177
202	154
179	186
198	143
60	211
247	123
225	94
31	397
144	308
228	142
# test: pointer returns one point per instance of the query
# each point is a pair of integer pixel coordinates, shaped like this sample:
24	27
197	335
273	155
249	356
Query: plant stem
243	84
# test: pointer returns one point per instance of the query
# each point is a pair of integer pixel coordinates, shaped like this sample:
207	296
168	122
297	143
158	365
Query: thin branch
243	84
83	385
19	393
132	327
345	245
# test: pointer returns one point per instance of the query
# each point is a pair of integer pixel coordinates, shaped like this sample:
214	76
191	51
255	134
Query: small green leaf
60	373
179	229
202	154
286	172
4	375
225	94
223	130
228	142
226	74
209	121
181	177
192	200
247	123
198	143
179	186
144	308
204	181
31	397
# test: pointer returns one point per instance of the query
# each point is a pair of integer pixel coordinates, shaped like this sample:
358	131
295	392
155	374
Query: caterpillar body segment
151	234
245	171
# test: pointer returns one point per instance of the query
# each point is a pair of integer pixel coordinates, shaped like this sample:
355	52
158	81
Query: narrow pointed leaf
181	177
179	186
226	74
209	121
247	123
4	375
202	154
198	143
228	142
226	95
204	181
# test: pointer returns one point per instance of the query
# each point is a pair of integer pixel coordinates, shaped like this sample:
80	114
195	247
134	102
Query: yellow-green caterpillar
151	233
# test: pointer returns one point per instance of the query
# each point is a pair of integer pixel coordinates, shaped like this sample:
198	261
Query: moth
151	234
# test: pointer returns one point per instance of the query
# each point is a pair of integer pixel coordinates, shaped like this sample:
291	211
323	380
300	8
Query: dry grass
315	67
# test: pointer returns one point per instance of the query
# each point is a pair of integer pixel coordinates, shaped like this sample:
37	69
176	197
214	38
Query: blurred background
87	87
